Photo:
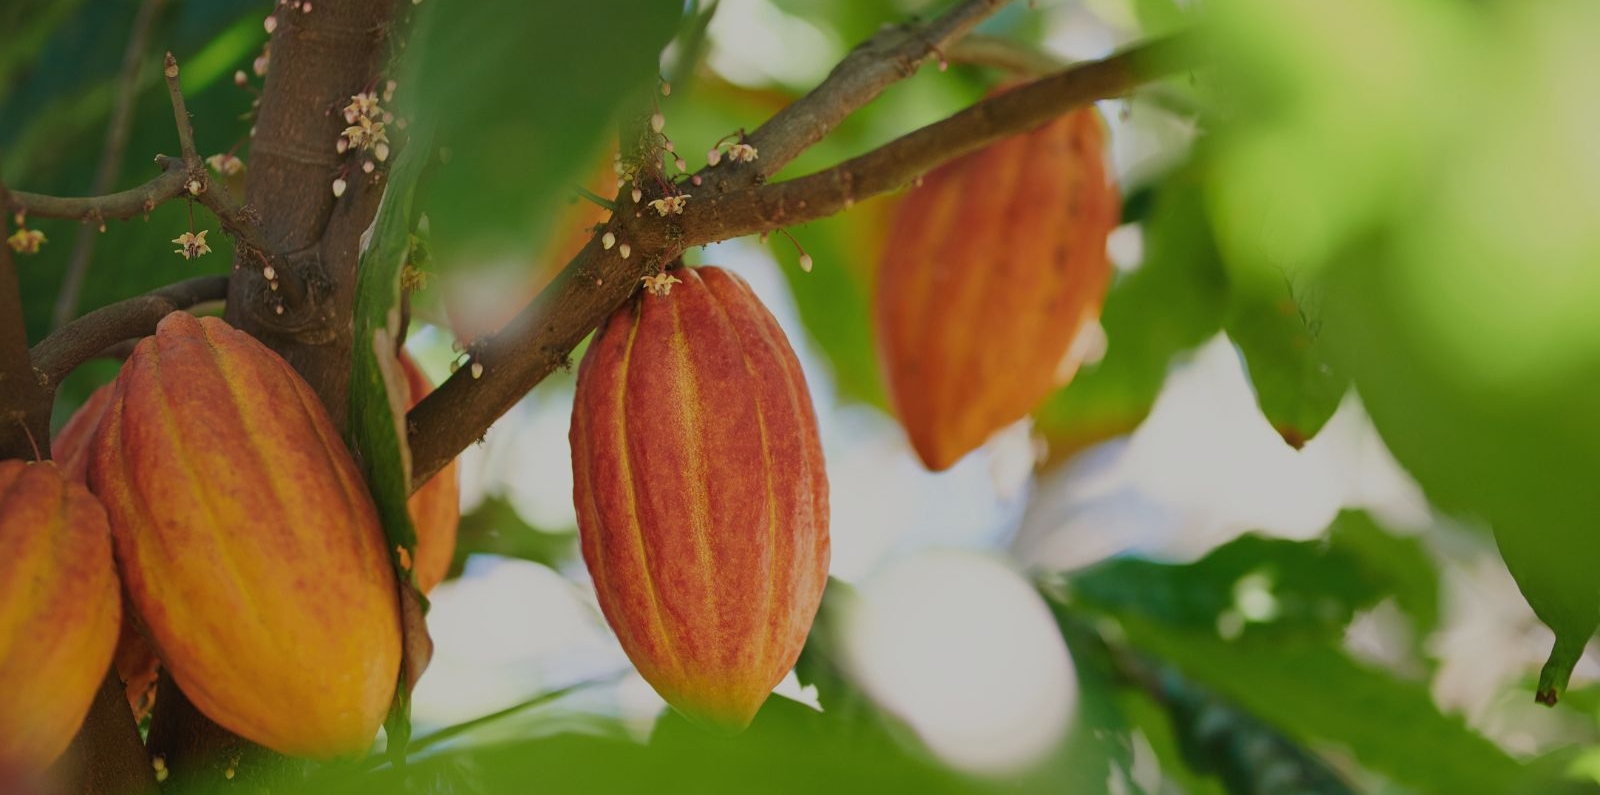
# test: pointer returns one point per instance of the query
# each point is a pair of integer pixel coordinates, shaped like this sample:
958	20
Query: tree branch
24	404
87	337
892	55
105	174
511	362
121	205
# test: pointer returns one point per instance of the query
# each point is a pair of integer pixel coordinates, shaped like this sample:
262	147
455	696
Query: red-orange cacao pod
59	612
436	507
136	662
701	496
247	540
992	267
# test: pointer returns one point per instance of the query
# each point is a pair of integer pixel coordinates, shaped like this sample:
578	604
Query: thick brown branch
85	338
24	404
598	280
110	166
124	204
892	55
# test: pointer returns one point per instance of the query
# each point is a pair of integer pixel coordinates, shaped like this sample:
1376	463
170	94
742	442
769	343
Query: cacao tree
812	292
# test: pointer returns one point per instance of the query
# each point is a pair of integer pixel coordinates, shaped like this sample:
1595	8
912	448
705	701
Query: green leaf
1278	328
1171	303
523	94
1401	565
1313	692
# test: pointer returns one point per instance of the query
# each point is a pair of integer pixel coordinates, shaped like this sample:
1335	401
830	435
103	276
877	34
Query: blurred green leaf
1278	330
1400	564
495	528
523	94
1313	692
1171	303
1155	725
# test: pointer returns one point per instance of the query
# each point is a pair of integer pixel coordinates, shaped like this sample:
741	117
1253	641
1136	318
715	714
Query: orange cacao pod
436	507
59	610
247	540
701	496
992	267
135	660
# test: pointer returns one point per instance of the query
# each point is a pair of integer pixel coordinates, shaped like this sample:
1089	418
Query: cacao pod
701	496
436	507
59	611
993	265
135	660
247	540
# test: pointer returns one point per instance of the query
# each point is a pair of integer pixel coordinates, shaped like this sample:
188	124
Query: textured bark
319	60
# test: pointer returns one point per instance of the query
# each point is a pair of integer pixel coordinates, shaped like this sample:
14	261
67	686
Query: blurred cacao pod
701	496
135	660
59	611
436	507
247	541
993	265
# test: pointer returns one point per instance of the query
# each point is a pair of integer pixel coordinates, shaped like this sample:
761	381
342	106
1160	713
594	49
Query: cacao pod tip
1292	436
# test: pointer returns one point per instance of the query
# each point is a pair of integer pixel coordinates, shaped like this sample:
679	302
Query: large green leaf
523	95
1170	304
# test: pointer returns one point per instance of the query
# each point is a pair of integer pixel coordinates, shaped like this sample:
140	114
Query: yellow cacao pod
59	612
436	507
247	541
701	496
135	660
992	267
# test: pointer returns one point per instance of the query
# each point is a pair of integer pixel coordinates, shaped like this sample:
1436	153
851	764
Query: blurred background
1247	550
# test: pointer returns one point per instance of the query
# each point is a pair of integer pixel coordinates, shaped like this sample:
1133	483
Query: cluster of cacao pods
995	267
701	496
252	564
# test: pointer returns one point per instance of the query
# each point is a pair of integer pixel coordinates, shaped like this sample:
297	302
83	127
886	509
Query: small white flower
713	157
608	240
477	370
240	78
195	187
271	24
338	187
658	122
226	165
670	205
192	245
26	241
624	250
742	153
270	272
805	262
637	195
660	284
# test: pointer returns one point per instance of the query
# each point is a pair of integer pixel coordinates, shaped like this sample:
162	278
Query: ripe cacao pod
436	507
135	660
59	611
992	267
247	540
701	496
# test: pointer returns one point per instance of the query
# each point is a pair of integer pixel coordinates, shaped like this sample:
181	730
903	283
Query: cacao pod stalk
59	612
993	265
701	496
248	542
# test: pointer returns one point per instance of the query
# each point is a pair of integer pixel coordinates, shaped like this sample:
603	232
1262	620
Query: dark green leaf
1401	565
523	94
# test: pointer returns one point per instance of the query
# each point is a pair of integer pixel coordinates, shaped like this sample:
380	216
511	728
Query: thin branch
892	55
121	205
85	338
538	341
180	114
1003	53
897	163
105	174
